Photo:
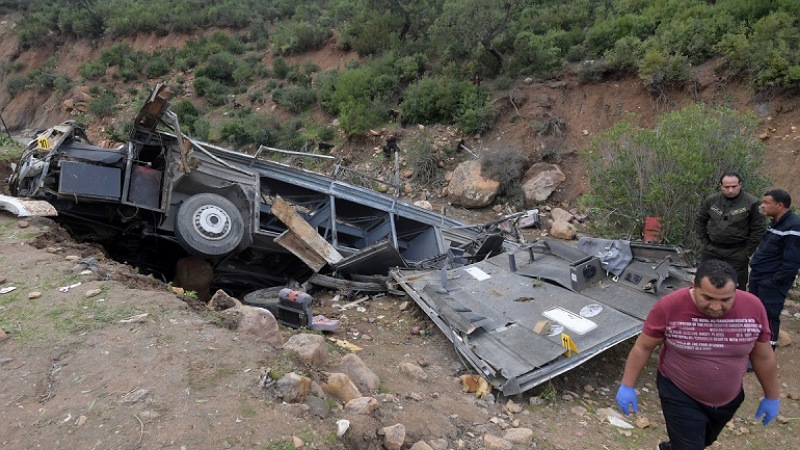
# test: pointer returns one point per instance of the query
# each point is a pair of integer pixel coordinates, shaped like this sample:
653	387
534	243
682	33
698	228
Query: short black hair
730	174
717	271
780	196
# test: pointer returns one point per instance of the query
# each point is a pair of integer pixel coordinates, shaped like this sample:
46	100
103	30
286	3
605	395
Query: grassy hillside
424	59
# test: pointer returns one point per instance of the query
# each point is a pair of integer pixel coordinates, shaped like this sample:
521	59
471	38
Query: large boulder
469	188
540	181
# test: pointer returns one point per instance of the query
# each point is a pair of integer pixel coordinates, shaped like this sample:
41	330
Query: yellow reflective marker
43	143
568	344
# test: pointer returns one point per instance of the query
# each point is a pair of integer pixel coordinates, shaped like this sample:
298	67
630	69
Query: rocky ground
121	362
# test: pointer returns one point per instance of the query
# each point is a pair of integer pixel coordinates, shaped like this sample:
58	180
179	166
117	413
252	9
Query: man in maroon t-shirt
709	333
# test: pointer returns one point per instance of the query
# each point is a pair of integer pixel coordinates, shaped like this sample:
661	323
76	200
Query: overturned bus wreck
517	313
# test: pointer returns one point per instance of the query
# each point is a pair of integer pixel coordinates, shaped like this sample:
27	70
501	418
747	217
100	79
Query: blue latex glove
767	408
626	396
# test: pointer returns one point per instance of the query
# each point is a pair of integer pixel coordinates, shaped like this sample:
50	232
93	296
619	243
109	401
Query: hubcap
212	222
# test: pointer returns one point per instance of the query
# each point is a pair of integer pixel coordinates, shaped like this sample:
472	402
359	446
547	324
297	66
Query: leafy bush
763	54
667	171
187	114
103	105
357	118
93	70
535	55
409	68
625	55
658	70
156	66
219	67
297	37
16	84
280	68
253	129
294	98
444	100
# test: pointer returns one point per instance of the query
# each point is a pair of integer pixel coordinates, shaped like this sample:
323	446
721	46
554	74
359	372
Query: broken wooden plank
306	243
292	242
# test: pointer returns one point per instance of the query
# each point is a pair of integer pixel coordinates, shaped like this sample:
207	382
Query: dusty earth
135	366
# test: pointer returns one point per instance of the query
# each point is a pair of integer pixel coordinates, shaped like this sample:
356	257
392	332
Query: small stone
81	420
588	388
513	408
578	410
23	224
51	250
92	292
34	294
642	422
72	258
793	396
341	427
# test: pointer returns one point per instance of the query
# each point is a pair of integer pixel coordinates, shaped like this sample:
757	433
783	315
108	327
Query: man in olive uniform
730	226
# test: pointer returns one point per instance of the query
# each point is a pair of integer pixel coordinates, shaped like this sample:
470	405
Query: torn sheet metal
489	310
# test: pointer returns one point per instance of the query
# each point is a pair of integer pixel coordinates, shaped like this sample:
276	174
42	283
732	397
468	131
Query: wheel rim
212	222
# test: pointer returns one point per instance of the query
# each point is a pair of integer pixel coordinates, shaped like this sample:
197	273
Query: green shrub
280	67
298	37
475	120
219	67
294	98
625	55
156	67
443	100
201	86
658	70
667	171
103	105
202	129
93	70
187	113
535	55
16	84
357	118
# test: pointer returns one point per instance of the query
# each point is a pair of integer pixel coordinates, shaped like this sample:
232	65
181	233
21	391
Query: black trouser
737	257
773	299
692	425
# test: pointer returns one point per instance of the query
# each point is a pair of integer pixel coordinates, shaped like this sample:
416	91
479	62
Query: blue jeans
692	425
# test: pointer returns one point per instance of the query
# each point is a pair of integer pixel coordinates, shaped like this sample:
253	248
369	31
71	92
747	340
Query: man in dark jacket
730	226
776	261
